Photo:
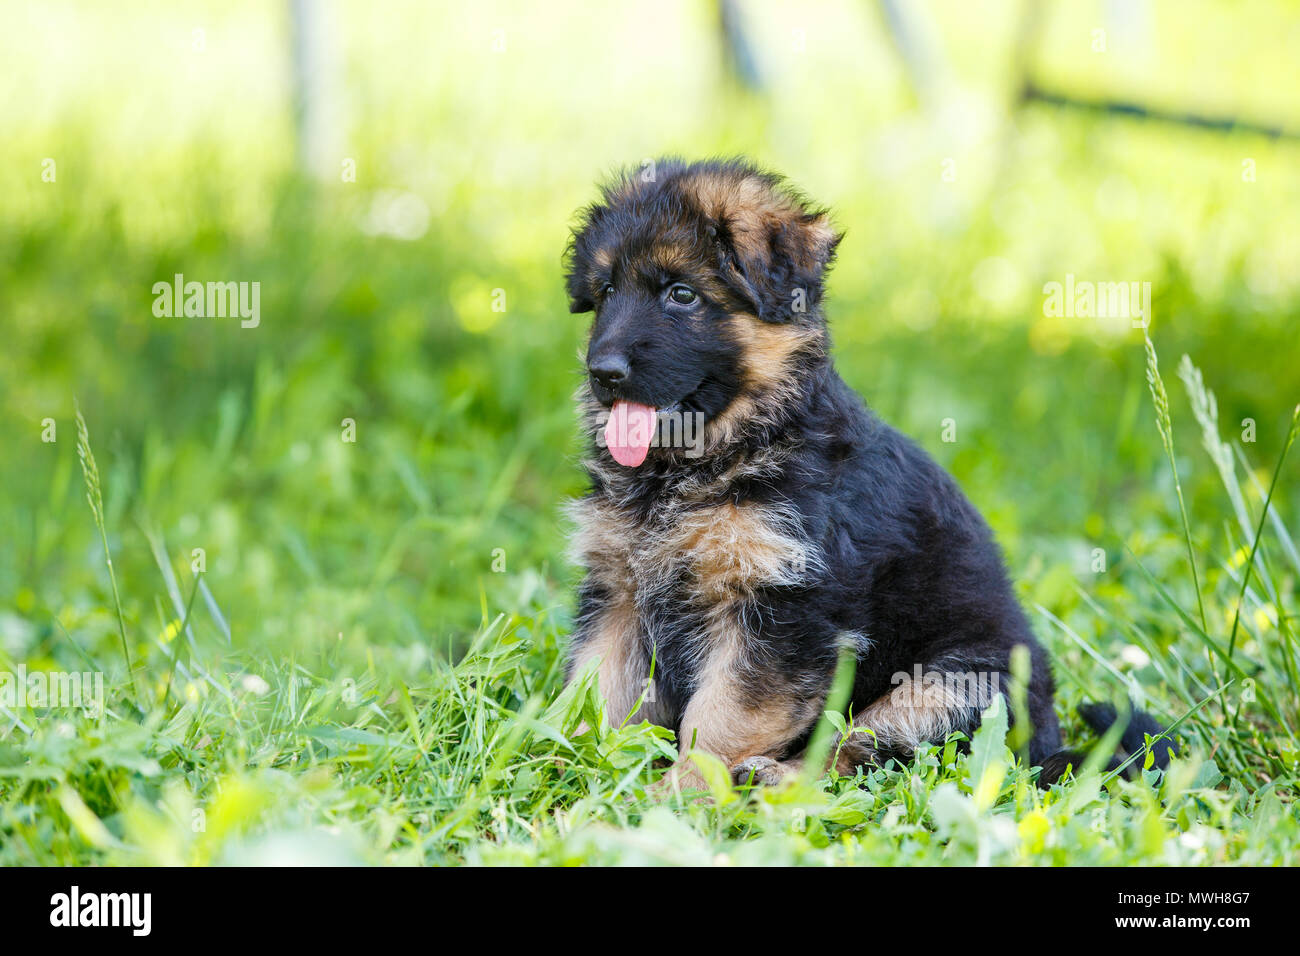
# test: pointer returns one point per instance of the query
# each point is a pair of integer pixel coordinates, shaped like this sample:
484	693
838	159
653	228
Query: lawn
333	623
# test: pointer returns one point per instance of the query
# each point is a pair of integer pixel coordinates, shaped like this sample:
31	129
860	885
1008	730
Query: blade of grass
1259	530
837	699
1160	399
1279	528
90	475
1205	408
1263	696
1092	652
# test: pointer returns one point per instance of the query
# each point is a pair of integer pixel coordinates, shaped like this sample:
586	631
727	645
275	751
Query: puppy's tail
1101	718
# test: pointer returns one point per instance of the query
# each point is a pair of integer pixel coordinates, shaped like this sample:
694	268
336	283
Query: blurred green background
475	131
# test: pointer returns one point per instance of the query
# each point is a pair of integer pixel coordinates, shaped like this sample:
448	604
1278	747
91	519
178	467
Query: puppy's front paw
763	770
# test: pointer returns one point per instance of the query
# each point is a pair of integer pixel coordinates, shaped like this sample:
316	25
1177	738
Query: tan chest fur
707	555
700	560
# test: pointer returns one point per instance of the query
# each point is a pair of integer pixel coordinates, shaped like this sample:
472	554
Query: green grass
349	752
323	650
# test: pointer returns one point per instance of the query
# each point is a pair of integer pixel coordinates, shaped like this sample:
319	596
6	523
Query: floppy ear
778	259
575	278
579	298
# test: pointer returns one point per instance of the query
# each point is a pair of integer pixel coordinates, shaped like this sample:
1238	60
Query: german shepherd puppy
794	524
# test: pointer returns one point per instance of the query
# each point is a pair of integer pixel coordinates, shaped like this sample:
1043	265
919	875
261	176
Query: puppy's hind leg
913	713
764	770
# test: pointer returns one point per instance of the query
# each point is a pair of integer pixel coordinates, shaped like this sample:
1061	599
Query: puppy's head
706	281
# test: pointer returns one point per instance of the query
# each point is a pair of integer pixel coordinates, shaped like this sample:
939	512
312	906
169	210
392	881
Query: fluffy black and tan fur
805	525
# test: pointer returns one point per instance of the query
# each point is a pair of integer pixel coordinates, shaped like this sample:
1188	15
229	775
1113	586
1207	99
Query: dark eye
683	295
607	290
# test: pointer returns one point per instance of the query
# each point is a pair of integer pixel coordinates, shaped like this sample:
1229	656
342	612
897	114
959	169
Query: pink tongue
629	431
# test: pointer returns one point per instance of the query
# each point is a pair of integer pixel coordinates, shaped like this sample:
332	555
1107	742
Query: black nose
608	370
